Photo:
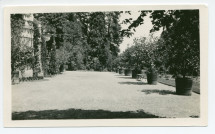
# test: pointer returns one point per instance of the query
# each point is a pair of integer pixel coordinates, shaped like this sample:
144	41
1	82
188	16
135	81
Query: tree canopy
81	37
179	41
90	40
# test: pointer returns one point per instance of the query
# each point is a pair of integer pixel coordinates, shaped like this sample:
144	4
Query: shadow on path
41	80
34	80
160	92
133	83
124	77
194	116
79	114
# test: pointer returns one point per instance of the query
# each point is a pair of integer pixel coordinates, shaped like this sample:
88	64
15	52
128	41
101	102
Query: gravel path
102	90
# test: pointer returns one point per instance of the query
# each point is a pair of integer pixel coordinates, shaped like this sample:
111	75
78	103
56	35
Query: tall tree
102	30
180	38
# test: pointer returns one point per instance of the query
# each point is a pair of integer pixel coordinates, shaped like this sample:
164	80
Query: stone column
27	41
40	74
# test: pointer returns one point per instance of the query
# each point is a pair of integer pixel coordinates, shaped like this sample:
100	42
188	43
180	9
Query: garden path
102	91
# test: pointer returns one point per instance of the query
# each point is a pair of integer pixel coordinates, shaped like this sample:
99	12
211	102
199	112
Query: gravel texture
102	91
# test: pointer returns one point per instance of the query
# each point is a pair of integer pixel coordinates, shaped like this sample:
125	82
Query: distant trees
81	40
144	53
90	40
102	31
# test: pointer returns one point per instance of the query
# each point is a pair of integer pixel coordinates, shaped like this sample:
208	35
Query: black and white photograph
115	64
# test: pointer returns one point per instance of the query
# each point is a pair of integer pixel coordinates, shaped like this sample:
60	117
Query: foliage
21	54
81	40
36	45
143	54
182	42
53	66
44	56
102	31
179	39
90	40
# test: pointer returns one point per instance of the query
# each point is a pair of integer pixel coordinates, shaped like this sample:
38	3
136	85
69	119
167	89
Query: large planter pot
66	67
117	70
127	72
61	68
15	77
135	72
121	71
152	78
184	86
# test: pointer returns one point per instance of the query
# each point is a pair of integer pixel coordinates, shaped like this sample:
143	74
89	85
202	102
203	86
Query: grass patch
157	91
79	114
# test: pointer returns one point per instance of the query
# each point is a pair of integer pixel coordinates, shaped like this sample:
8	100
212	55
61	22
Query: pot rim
184	78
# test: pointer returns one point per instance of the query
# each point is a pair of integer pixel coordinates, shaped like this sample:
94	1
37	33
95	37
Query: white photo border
201	121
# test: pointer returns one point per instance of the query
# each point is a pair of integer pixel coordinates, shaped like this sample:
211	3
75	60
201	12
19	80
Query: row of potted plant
183	85
151	56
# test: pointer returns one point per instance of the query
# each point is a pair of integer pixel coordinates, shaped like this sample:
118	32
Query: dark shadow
133	83
124	77
33	80
40	80
160	92
194	116
118	75
79	114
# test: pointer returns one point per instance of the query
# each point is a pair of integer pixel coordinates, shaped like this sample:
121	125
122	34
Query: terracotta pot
121	71
184	86
135	72
127	72
152	78
117	70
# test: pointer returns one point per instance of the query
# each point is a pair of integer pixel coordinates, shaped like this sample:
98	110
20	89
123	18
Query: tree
53	66
180	38
182	42
102	31
143	54
95	34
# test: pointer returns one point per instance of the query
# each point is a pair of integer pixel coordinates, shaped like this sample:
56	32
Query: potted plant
183	49
125	61
135	72
180	49
184	69
131	59
128	72
121	70
183	86
150	58
152	76
61	68
117	70
15	77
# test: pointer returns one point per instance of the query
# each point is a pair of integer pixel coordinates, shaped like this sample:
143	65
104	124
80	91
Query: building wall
27	41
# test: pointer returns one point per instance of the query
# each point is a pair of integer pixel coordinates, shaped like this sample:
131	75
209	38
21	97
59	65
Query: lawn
99	95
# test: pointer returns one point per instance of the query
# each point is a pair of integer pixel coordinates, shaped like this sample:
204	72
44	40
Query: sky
141	31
